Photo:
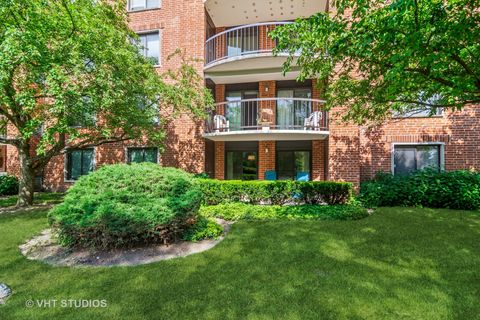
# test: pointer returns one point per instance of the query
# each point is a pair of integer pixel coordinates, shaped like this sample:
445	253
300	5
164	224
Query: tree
71	63
379	56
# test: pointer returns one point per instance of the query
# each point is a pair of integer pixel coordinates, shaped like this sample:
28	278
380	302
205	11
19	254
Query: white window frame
65	162
160	37
142	147
129	7
417	114
413	144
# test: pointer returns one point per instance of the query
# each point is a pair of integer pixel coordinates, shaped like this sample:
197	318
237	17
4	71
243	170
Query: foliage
203	229
377	56
70	64
243	211
428	188
275	192
8	185
123	205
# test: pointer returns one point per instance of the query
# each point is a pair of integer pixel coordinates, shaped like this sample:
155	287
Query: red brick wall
219	160
182	26
343	149
458	130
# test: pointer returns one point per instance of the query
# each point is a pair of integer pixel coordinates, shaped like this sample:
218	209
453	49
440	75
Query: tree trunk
26	180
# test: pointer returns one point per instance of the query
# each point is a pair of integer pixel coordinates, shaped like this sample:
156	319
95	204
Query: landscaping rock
5	292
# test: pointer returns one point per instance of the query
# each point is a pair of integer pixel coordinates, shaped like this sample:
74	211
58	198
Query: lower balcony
268	119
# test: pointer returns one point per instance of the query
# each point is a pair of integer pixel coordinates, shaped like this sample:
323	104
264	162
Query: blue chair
303	176
270	175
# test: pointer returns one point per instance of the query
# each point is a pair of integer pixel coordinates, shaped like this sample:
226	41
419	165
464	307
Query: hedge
8	185
274	192
124	205
243	211
427	188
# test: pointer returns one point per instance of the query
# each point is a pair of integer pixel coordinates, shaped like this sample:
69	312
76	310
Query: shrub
124	205
8	185
275	192
428	188
204	228
243	211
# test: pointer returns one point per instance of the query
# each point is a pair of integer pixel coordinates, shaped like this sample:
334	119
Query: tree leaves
378	56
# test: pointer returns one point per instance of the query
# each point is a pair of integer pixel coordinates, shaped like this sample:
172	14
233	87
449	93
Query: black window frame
143	149
69	163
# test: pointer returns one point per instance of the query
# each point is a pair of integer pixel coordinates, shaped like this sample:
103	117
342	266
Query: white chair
221	123
313	121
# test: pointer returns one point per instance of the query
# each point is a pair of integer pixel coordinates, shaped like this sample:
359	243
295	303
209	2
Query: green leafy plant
67	63
8	185
125	205
275	192
204	228
376	56
243	211
428	188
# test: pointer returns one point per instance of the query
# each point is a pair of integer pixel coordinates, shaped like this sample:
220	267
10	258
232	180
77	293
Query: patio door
292	113
241	165
242	115
242	41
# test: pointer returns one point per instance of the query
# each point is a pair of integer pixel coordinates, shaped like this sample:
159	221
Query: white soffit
227	13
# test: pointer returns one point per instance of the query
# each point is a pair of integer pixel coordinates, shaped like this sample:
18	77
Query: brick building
266	125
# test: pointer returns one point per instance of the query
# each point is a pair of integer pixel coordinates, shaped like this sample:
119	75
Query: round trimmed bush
8	185
125	205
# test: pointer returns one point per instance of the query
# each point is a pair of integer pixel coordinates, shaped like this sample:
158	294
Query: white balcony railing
269	114
242	41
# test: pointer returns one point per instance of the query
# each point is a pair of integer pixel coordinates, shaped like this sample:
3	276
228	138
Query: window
84	116
420	113
148	106
79	162
241	165
293	165
292	113
242	41
407	159
138	155
143	4
150	46
242	115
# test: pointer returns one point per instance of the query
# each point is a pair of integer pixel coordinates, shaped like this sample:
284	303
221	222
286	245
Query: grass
400	263
39	198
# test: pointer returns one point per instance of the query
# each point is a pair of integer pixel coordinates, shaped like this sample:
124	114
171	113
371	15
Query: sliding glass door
292	113
293	165
241	165
242	115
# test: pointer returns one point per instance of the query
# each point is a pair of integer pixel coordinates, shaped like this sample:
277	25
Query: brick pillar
319	150
267	89
220	97
266	158
265	42
220	44
219	160
316	94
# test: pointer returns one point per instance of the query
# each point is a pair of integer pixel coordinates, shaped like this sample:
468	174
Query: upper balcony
244	54
228	13
268	119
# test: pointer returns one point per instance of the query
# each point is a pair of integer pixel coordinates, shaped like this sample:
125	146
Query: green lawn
397	264
40	198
